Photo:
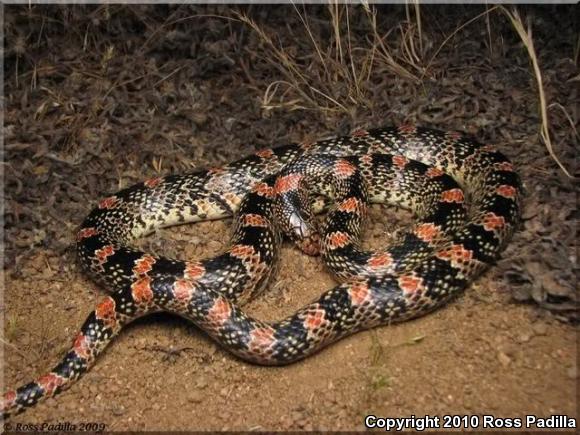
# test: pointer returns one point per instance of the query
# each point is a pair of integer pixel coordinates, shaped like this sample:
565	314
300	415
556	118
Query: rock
524	338
214	245
201	383
540	328
504	359
195	397
300	418
118	410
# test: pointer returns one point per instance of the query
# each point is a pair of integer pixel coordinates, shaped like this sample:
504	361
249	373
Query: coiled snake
426	266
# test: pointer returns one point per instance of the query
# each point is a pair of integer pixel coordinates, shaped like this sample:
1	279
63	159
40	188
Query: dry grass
296	90
525	35
342	86
385	53
457	30
341	66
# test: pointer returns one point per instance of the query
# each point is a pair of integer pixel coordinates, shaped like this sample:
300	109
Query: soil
100	97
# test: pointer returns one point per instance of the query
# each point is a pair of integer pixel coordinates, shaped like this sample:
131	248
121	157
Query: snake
273	194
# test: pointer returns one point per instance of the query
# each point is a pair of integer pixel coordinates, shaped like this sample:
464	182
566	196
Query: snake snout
305	234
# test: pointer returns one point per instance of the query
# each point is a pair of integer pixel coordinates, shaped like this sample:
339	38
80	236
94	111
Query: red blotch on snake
410	283
337	240
103	253
85	233
453	195
457	254
506	191
109	203
50	382
220	312
183	290
359	293
426	232
314	319
81	346
144	264
141	290
378	260
261	338
287	183
400	161
105	311
492	222
193	270
152	182
350	205
344	168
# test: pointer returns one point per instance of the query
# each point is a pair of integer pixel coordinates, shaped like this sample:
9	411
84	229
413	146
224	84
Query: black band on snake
426	267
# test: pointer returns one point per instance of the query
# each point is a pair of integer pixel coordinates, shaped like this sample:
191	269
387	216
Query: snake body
423	270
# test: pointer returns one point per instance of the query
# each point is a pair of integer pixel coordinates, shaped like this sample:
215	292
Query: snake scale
431	172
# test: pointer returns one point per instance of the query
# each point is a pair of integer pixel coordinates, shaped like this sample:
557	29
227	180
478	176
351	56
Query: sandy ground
480	355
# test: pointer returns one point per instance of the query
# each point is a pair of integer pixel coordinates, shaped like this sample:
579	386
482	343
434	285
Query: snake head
305	234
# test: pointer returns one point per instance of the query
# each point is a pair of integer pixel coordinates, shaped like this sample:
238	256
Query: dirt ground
101	97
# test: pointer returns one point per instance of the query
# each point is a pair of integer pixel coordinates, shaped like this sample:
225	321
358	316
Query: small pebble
504	359
195	397
214	245
524	338
201	383
118	410
540	328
